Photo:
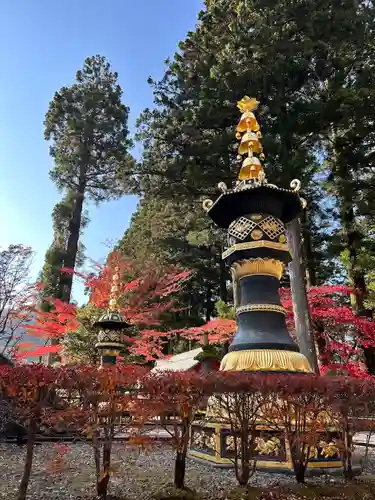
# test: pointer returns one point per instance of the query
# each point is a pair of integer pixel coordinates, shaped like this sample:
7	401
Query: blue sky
42	44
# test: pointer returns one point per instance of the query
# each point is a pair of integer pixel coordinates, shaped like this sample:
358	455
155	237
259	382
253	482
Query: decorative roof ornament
113	301
251	174
113	316
247	104
251	170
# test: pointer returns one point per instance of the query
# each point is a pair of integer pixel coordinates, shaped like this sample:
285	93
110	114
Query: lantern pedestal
212	444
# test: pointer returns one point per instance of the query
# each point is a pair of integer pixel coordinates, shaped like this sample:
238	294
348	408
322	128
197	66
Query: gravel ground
136	476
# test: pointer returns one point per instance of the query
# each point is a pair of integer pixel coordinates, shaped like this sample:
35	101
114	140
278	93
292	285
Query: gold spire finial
113	302
247	104
250	141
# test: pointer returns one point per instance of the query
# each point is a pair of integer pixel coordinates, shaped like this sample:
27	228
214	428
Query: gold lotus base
214	450
265	360
263	267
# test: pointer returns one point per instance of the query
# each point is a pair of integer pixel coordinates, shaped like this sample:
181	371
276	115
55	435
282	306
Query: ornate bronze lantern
254	214
111	326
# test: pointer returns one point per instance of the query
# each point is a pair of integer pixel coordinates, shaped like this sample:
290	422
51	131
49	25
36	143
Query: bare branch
16	294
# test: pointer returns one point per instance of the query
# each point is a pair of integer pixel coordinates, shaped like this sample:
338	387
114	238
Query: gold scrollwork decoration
329	450
207	204
223	187
295	185
231	445
203	440
270	447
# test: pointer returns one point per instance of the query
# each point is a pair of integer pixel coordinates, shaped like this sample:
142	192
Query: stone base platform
212	444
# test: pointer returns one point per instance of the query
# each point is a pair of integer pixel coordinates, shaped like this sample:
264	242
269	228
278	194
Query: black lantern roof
111	320
283	204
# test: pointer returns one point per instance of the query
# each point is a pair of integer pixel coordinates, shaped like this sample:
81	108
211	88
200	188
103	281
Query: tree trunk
72	246
299	466
352	241
325	356
243	475
308	252
347	457
299	472
209	305
96	448
180	461
66	280
299	296
22	491
102	485
179	470
351	237
356	277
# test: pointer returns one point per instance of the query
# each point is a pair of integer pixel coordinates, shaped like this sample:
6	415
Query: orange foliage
142	302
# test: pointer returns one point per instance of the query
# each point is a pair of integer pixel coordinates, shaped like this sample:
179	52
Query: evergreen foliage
310	65
87	124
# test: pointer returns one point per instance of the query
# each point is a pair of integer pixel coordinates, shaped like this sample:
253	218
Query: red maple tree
108	407
31	393
340	334
87	402
180	395
142	302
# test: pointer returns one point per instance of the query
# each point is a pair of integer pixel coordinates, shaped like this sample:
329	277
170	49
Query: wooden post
301	311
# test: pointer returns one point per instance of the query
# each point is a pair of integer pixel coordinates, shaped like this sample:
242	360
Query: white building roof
178	363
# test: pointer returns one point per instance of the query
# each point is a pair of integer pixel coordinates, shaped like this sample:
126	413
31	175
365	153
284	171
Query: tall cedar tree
323	53
87	124
188	139
328	48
